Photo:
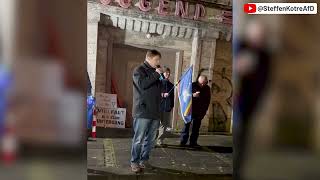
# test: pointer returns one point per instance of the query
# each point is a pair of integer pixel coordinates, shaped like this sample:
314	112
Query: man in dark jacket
167	103
201	96
146	109
252	74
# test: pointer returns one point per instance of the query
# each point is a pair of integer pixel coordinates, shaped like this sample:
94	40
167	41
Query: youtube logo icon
249	8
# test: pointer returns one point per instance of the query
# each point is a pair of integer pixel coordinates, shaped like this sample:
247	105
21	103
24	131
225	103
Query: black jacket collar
147	65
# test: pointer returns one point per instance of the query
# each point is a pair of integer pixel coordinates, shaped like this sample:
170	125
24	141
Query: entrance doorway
125	58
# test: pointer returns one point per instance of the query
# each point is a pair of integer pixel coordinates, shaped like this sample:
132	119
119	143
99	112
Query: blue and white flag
185	95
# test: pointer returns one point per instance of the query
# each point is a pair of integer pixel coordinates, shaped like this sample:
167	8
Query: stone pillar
92	41
102	58
109	64
176	108
209	51
7	31
195	56
207	63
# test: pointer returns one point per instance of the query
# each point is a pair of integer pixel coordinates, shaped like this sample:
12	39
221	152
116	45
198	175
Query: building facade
186	33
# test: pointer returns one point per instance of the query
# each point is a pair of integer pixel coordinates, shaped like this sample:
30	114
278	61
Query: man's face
166	74
154	61
202	81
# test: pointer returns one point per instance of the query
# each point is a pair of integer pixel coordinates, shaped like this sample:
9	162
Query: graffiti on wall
222	100
221	103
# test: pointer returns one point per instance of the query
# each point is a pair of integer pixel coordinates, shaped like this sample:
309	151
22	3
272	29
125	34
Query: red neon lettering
200	12
144	5
182	10
105	2
163	7
124	3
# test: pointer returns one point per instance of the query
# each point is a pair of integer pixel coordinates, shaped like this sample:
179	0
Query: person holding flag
194	102
166	105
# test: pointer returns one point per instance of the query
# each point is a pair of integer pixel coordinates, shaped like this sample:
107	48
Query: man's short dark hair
166	69
152	53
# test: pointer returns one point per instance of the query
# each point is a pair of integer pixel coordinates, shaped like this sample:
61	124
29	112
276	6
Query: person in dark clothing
167	103
200	103
146	109
252	73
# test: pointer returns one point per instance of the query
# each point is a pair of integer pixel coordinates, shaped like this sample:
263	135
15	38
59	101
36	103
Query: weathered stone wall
216	64
221	101
102	56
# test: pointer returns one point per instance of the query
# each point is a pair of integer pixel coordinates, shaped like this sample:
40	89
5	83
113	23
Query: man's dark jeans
195	132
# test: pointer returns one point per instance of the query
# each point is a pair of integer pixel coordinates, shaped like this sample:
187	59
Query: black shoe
195	145
182	145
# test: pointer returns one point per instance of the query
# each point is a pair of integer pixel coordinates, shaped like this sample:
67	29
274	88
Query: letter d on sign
311	8
199	12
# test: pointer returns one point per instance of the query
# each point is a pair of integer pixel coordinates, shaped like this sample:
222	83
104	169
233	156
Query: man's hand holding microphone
159	70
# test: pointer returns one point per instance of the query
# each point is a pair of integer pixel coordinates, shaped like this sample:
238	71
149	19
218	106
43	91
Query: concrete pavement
109	158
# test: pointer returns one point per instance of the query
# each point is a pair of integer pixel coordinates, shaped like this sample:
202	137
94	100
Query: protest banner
111	117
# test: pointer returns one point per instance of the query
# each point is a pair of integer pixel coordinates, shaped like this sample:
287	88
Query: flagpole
174	86
177	82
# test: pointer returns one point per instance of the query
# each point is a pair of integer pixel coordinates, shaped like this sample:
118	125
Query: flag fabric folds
185	95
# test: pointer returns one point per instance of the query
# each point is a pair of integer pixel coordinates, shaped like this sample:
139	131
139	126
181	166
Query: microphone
161	75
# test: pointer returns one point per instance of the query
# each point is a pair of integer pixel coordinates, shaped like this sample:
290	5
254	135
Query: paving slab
110	158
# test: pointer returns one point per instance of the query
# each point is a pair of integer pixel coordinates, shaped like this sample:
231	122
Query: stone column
195	56
211	51
92	41
7	30
208	41
102	60
176	108
109	64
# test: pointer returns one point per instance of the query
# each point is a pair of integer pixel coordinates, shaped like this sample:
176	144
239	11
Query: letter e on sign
163	7
105	2
124	3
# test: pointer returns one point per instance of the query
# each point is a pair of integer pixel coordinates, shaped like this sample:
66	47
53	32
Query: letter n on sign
182	9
